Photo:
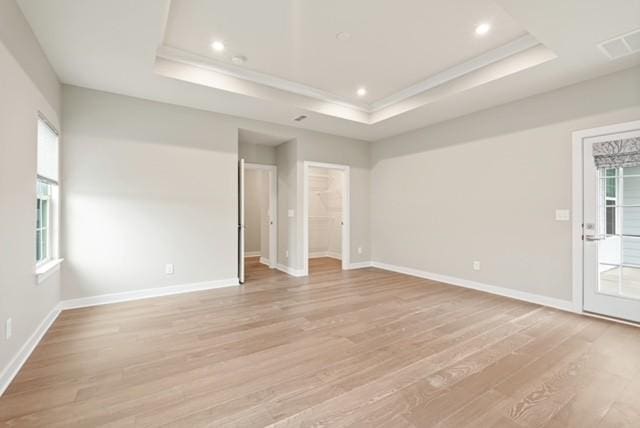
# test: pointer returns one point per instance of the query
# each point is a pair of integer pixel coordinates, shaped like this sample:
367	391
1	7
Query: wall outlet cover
476	265
168	269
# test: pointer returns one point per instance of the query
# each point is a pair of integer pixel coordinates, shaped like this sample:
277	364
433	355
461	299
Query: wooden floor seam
357	348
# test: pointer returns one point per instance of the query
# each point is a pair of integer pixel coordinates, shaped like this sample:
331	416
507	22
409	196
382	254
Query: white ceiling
420	56
392	46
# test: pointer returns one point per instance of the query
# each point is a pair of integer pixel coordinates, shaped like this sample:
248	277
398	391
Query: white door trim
346	212
272	172
577	201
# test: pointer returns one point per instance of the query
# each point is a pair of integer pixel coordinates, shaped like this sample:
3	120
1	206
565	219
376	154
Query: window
611	194
46	194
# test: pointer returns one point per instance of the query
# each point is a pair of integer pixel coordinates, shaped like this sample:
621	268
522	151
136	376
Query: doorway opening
325	215
258	212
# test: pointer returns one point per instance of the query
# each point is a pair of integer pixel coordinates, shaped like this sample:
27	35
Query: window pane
38	213
634	170
631	191
611	221
611	187
610	172
38	246
44	207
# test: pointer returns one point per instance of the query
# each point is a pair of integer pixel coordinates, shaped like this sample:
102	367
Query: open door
241	225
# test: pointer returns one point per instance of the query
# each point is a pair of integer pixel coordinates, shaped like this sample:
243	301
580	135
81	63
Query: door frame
346	212
578	205
272	172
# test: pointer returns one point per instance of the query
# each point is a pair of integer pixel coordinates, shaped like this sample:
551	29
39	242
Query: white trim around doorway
346	212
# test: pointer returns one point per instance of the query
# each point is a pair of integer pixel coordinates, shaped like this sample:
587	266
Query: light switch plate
290	213
563	215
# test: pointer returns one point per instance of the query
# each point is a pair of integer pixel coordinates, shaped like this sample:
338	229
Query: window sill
47	269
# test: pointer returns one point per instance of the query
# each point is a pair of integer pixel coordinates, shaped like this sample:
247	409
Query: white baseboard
265	261
289	270
331	254
126	296
564	305
360	265
252	254
25	351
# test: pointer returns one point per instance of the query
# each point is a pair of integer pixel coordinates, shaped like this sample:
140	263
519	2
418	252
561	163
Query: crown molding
514	47
189	58
488	58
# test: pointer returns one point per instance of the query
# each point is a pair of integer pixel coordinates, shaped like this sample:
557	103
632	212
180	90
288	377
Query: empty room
336	213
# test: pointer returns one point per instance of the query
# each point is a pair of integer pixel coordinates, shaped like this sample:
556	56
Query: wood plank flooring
362	348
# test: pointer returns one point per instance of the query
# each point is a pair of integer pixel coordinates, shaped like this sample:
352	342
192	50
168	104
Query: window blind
48	165
617	153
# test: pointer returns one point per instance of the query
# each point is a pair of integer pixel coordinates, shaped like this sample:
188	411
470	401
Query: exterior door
611	234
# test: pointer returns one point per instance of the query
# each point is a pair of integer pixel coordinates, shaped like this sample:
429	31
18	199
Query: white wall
145	184
27	86
485	187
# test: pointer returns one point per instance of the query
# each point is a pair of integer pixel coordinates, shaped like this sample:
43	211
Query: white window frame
51	262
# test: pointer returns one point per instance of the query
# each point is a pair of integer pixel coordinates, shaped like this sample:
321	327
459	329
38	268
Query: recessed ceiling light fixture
483	29
361	92
217	46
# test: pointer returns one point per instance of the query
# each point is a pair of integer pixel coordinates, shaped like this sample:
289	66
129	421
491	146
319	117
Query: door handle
594	237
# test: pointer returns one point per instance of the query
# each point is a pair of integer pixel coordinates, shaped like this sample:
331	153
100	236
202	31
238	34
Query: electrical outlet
476	265
168	269
286	254
8	329
359	250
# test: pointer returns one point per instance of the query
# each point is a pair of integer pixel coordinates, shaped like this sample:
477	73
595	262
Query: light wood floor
364	348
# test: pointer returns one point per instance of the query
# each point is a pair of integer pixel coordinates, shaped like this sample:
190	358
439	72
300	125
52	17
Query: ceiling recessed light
483	29
239	59
343	36
361	92
217	46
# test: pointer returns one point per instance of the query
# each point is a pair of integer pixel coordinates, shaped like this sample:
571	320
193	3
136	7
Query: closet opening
326	214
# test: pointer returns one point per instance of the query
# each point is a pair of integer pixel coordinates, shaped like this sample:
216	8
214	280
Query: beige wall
146	184
356	154
257	153
154	183
486	186
21	298
253	210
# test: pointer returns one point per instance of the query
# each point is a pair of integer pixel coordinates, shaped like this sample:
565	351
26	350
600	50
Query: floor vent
620	46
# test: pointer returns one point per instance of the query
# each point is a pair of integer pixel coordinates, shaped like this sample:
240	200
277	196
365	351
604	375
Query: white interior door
241	225
611	235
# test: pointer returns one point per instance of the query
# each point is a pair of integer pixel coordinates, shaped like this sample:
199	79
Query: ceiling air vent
622	45
300	118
